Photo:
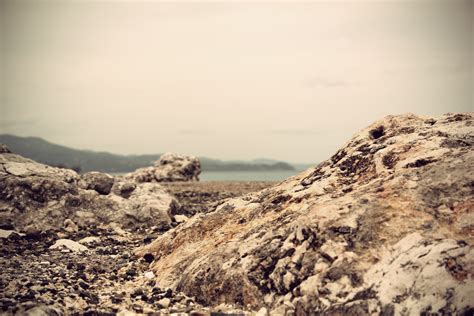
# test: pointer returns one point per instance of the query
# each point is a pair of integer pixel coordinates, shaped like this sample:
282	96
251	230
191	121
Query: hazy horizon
160	153
231	81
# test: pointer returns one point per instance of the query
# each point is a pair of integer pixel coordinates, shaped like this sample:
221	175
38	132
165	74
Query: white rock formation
171	167
33	194
69	244
385	226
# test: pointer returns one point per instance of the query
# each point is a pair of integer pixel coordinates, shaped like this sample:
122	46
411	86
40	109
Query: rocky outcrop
36	196
170	168
385	226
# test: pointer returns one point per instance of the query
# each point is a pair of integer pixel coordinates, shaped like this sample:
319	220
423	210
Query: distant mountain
302	166
209	164
86	160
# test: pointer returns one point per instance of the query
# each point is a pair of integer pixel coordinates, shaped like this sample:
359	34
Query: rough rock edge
311	243
40	197
169	168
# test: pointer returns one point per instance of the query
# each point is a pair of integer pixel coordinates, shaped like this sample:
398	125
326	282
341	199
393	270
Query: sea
275	175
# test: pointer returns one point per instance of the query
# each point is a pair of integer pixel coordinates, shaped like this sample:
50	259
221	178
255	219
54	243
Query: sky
242	80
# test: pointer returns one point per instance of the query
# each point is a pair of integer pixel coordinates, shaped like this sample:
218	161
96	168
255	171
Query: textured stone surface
98	181
398	197
69	244
170	168
36	196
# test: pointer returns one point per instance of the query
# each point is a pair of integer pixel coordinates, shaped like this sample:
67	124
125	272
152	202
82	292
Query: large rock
43	197
385	226
171	167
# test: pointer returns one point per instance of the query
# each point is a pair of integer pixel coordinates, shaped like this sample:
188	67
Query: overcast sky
231	81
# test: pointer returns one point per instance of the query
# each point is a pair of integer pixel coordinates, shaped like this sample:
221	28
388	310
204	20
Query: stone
5	233
169	168
332	239
180	218
4	149
98	181
89	240
69	244
123	187
164	302
44	197
70	226
150	204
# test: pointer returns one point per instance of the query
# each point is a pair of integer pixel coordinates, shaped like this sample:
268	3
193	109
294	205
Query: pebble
165	302
69	244
83	274
149	275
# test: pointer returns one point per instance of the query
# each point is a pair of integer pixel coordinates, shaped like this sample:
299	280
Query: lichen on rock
396	198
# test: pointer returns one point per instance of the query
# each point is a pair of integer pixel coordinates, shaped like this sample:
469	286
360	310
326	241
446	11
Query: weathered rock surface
170	168
69	244
123	188
38	197
385	226
98	181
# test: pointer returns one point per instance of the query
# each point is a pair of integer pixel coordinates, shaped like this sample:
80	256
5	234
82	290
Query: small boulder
174	167
150	204
98	181
123	188
4	149
171	167
164	302
70	226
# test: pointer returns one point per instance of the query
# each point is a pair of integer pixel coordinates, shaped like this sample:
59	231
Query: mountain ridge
84	160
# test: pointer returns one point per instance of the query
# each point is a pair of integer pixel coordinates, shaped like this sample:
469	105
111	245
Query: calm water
241	175
247	175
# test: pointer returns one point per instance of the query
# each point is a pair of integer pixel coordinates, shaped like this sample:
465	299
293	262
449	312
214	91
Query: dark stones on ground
35	278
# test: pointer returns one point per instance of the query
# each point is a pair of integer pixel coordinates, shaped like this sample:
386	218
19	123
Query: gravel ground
203	197
105	278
